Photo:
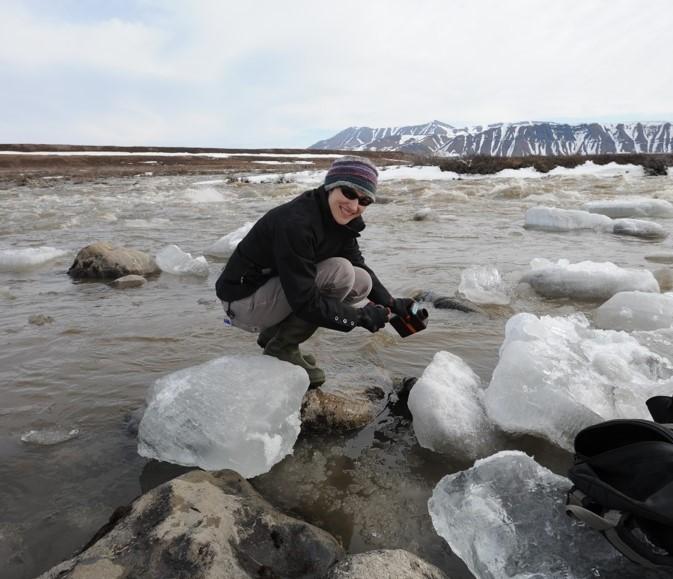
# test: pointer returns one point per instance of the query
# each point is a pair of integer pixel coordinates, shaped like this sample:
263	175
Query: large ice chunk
554	219
225	246
505	518
28	258
586	280
556	375
237	412
483	285
638	228
631	208
635	311
448	412
171	259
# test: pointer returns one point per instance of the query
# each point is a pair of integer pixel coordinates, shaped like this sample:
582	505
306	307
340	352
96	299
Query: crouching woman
300	268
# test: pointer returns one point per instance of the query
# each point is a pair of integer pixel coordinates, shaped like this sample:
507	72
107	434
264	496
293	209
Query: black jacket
288	242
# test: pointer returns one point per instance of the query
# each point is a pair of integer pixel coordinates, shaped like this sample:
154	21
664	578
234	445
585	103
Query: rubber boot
267	333
291	332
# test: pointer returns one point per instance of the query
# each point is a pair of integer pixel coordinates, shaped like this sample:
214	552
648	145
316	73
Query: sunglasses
352	194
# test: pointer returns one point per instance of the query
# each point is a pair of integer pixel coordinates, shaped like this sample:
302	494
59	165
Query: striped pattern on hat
358	173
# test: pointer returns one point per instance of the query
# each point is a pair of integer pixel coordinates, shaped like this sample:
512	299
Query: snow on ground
167	154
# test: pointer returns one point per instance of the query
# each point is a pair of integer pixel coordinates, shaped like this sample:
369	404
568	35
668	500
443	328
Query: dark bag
623	484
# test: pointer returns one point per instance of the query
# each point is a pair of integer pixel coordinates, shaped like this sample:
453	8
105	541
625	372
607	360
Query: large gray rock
104	260
385	564
203	525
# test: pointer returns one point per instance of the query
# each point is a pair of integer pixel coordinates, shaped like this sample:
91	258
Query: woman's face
343	210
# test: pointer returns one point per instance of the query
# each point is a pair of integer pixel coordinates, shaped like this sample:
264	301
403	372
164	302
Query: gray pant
336	277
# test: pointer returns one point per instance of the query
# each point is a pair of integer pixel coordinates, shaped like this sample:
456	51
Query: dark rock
203	525
446	303
40	319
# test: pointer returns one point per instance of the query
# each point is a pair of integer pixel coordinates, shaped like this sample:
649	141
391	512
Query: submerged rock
330	410
203	525
390	563
346	402
129	281
423	214
104	260
666	258
40	319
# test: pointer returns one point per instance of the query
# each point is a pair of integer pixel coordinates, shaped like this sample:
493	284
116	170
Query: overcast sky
274	73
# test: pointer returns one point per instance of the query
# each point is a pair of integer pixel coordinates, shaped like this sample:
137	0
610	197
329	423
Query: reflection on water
91	367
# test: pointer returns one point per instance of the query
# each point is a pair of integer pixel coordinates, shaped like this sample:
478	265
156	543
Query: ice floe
448	412
554	219
49	437
505	518
631	208
171	259
236	412
638	228
586	280
27	258
483	285
635	311
557	375
225	246
204	195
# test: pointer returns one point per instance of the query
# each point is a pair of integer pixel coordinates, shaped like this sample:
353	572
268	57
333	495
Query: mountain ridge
518	139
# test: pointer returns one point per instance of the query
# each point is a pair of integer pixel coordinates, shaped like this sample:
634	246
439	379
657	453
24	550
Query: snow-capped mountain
508	139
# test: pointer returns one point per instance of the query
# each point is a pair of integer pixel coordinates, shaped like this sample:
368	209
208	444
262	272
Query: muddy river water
80	377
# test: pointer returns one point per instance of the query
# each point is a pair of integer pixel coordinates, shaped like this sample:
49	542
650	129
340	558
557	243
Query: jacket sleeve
379	294
296	263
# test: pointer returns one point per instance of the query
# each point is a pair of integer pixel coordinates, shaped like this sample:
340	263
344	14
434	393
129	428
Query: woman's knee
336	276
362	285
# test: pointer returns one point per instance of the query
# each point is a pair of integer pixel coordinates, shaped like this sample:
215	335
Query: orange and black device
412	323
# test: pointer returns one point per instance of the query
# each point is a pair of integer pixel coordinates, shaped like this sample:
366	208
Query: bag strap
612	524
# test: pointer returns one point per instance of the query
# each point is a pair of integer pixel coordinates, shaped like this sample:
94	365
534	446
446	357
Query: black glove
373	317
401	306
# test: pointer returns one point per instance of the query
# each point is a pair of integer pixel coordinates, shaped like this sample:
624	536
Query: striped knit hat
358	173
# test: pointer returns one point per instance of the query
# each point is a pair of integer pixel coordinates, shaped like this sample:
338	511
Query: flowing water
77	379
